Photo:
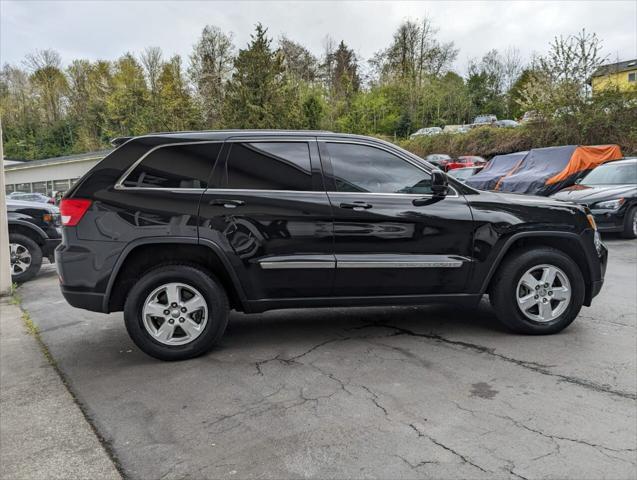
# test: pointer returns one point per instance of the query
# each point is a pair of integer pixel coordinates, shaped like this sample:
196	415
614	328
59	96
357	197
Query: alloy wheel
543	293
175	314
20	258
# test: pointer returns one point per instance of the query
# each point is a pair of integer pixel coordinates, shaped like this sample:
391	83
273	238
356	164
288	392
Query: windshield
612	174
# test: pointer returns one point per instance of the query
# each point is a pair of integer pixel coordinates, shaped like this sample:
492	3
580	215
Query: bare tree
512	67
573	58
415	53
211	66
328	61
151	59
298	61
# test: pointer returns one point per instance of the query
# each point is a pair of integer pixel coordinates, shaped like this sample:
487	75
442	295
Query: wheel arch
146	253
28	229
568	243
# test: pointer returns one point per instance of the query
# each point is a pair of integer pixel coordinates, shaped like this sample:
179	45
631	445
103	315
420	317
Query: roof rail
117	141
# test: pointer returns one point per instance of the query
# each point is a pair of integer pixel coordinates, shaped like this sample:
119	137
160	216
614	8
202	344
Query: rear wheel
176	312
25	256
630	224
538	291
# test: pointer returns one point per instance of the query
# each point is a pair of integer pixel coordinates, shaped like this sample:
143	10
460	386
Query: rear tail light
72	210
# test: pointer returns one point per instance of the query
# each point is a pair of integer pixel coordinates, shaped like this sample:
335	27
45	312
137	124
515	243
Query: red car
465	161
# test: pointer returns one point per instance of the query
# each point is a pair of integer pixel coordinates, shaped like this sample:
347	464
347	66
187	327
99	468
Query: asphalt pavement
404	392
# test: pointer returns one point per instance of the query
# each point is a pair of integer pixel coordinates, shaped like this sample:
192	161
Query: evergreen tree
259	95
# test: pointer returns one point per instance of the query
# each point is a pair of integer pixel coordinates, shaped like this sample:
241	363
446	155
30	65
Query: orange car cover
587	158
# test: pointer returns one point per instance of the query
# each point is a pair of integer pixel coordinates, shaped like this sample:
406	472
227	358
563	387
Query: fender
517	236
183	240
24	223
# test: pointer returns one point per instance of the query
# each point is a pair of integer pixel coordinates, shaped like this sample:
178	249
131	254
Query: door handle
358	206
227	203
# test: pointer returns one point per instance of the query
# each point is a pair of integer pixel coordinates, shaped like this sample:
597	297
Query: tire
509	285
630	224
26	257
205	322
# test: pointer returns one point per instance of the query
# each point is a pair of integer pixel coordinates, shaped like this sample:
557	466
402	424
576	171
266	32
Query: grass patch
31	327
15	296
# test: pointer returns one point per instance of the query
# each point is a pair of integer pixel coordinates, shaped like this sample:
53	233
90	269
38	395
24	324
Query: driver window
362	168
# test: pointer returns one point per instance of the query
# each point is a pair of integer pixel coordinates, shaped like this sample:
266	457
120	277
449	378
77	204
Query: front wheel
538	291
176	312
630	224
25	256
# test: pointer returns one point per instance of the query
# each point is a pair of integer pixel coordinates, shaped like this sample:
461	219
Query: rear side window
175	166
361	168
269	166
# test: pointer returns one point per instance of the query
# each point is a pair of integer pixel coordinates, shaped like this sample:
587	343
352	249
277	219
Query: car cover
494	170
544	171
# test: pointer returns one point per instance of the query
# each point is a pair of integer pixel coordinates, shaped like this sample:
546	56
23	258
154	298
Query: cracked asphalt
422	392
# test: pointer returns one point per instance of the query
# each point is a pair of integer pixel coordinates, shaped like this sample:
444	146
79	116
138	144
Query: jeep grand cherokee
175	229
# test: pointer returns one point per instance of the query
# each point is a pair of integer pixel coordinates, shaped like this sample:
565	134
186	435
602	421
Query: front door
271	214
385	243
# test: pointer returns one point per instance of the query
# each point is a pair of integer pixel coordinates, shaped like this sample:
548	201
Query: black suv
34	232
175	229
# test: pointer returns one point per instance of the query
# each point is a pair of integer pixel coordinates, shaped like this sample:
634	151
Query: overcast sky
106	29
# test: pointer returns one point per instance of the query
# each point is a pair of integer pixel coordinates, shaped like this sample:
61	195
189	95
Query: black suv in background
34	232
175	229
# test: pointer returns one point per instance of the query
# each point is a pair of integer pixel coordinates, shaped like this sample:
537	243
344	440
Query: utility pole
5	265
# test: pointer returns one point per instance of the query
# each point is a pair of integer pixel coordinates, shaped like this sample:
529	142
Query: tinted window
270	166
176	166
359	168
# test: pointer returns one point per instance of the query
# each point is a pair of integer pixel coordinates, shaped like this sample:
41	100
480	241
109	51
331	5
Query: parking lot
409	392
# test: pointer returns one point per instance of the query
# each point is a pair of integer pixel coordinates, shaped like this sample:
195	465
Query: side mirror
439	183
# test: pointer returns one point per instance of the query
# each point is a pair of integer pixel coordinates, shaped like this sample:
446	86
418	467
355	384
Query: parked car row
479	121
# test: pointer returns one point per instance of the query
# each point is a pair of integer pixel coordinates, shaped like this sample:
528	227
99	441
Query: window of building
270	166
9	188
23	187
361	168
632	76
39	187
175	166
60	185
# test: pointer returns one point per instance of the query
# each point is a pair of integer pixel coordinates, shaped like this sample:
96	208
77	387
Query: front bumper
597	263
48	249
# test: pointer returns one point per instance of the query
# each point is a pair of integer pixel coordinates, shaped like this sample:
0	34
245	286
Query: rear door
271	214
383	242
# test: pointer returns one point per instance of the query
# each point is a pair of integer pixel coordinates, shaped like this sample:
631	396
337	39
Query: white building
49	174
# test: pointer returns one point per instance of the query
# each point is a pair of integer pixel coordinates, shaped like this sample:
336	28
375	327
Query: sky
107	29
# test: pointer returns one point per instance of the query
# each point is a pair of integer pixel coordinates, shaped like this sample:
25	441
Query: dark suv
175	229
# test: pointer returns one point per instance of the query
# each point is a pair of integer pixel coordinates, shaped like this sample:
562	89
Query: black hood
589	194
